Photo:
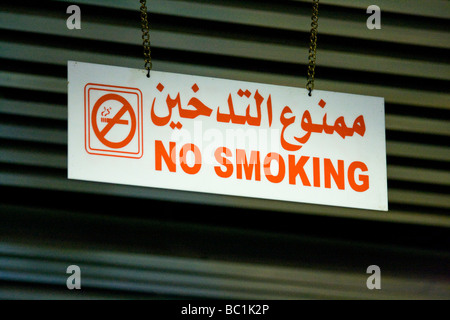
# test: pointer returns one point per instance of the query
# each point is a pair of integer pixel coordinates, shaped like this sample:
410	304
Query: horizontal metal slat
418	125
406	197
28	157
430	8
32	291
33	109
351	61
290	21
58	136
26	133
54	160
419	198
229	285
32	82
420	175
418	151
391	95
60	56
237	48
242	288
194	277
59	112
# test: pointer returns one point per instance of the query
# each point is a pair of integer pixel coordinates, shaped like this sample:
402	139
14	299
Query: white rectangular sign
226	137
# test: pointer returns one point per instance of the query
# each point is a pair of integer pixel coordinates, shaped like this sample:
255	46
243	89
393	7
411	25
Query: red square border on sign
113	121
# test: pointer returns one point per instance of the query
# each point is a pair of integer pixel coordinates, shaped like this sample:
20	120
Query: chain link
145	37
313	47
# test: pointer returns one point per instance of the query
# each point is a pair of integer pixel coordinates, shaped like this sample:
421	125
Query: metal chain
313	47
145	37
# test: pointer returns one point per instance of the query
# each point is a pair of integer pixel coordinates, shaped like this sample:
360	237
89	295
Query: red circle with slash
125	108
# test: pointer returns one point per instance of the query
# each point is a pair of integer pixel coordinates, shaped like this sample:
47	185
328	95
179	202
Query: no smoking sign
113	121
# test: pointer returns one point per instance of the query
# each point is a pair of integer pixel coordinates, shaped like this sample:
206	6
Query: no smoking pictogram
116	120
113	112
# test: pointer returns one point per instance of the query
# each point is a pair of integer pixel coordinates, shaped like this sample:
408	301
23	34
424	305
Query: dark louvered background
147	243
